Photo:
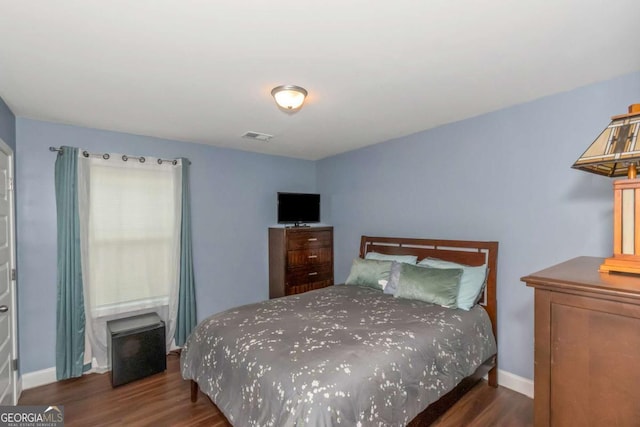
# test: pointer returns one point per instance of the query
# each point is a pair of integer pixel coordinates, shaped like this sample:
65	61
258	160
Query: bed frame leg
194	391
493	377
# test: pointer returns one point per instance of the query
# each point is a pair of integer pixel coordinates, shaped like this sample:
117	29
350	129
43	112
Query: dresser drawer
308	274
309	239
306	287
309	256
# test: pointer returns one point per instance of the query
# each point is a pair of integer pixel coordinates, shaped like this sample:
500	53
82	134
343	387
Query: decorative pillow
407	259
394	276
434	285
368	272
471	283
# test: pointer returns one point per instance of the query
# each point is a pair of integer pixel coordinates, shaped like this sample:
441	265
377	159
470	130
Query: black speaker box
136	348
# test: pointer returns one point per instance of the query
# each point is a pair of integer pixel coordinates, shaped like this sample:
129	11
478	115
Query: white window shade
132	233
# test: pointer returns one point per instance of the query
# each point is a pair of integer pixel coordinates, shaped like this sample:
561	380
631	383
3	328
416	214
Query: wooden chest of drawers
300	260
587	345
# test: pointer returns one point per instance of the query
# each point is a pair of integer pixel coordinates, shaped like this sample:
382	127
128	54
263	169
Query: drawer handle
315	273
312	256
312	239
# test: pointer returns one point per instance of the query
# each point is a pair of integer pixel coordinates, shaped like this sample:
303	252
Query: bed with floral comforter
342	355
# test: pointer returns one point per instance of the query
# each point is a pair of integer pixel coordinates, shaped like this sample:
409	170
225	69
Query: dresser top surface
304	228
581	274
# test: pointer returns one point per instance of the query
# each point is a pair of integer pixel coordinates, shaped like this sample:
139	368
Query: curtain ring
85	153
106	156
175	162
159	161
124	158
142	159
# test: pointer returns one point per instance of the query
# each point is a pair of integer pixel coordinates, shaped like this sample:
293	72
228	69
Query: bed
348	355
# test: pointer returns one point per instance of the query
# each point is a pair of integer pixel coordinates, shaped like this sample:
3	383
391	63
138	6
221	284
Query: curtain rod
106	156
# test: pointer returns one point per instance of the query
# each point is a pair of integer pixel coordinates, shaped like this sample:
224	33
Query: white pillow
391	285
407	259
471	283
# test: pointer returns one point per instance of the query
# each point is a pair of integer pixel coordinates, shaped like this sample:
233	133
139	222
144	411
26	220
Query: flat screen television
298	208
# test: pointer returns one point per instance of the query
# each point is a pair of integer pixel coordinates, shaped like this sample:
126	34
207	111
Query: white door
7	291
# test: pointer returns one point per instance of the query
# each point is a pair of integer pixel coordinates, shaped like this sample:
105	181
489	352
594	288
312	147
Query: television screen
296	208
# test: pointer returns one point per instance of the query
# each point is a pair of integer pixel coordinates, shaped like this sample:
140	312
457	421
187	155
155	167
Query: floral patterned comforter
342	355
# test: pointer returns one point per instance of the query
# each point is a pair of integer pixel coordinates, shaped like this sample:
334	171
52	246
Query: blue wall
7	125
233	204
502	176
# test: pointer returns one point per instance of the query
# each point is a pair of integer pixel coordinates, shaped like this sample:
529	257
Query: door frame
13	310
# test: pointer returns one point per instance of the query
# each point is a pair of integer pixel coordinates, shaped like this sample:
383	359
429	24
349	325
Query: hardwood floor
163	400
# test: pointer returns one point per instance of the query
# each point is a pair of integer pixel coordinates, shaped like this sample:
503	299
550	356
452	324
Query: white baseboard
505	379
516	383
38	378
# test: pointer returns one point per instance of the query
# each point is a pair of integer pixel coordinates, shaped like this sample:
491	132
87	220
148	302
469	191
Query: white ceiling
202	71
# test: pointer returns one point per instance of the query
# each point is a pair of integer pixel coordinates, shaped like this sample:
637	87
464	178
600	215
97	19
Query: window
133	238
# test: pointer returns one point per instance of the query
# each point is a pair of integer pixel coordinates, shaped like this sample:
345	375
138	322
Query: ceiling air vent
257	136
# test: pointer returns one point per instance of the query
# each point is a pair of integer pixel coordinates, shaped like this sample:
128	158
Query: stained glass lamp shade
617	147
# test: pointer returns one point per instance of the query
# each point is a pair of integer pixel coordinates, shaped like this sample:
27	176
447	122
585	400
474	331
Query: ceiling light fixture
289	97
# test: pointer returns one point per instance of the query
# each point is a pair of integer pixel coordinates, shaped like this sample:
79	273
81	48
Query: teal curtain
70	317
186	319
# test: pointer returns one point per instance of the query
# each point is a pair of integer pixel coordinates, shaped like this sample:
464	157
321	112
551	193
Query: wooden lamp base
626	226
621	264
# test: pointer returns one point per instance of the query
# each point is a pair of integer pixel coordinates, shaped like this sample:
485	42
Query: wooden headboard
461	251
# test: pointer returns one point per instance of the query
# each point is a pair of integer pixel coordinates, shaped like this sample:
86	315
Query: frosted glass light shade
289	97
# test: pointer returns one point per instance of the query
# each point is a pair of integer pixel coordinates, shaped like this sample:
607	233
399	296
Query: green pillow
368	272
471	283
434	285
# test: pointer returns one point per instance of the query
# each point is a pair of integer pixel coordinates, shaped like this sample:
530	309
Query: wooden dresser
300	260
587	345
